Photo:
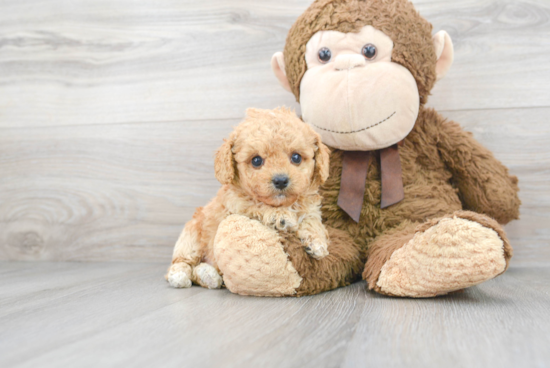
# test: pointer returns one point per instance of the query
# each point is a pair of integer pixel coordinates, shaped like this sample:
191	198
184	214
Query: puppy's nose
280	181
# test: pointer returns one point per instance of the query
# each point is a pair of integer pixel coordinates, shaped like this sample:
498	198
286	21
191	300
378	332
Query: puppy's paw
179	280
285	223
207	276
316	248
179	275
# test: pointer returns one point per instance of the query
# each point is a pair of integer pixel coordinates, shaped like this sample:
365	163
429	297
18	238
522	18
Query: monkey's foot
252	259
444	255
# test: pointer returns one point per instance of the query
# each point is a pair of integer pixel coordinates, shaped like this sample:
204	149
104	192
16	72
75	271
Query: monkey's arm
483	182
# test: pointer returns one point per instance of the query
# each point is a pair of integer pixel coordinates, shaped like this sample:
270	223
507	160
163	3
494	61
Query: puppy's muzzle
280	181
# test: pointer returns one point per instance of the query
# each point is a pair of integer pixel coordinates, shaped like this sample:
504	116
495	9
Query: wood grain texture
112	315
99	192
501	48
97	62
110	112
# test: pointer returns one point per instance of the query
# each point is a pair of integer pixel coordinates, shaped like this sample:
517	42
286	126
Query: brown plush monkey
412	194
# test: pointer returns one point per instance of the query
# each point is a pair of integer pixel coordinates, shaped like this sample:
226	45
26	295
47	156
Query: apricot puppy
271	168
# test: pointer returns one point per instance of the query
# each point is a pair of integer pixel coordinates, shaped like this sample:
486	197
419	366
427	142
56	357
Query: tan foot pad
451	255
252	260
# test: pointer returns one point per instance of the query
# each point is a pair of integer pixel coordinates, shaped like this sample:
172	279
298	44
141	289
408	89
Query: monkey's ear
278	66
322	162
444	52
223	163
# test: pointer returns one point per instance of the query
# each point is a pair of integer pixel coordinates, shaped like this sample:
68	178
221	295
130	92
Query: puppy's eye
324	55
296	158
369	51
257	161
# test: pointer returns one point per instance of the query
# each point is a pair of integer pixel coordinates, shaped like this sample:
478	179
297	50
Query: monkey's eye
296	158
257	161
369	51
324	55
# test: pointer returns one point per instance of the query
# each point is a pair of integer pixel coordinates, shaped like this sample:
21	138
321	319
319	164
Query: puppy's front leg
314	236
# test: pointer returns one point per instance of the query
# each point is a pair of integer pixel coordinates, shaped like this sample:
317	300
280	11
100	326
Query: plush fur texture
373	103
438	158
257	260
398	19
451	255
444	254
340	268
275	136
247	250
444	170
457	194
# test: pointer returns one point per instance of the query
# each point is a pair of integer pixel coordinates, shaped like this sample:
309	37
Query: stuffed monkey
413	203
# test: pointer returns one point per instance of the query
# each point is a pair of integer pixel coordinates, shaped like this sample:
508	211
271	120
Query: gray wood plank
113	192
98	62
67	62
501	53
90	314
502	323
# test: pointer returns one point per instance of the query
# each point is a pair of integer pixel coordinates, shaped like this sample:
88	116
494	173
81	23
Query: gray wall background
110	112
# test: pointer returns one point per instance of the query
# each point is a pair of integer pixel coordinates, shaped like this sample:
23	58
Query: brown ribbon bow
355	166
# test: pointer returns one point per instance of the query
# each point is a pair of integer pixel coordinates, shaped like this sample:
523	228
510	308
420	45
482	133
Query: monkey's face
352	93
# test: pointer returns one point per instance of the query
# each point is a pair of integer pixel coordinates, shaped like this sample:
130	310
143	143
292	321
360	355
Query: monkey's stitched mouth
356	131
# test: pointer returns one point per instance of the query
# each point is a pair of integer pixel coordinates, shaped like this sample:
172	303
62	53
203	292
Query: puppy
270	168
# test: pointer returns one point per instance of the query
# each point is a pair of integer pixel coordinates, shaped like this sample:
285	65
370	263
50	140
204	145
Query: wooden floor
110	111
116	315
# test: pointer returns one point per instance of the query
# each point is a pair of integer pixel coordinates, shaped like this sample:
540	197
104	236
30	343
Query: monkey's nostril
280	181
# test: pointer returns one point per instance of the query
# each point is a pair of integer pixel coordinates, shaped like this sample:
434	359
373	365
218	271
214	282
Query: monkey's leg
341	267
256	260
437	257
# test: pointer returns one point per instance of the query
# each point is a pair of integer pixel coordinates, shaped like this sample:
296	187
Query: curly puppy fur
274	135
444	168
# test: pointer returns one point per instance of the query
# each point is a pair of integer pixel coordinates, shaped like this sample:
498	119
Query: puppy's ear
223	163
322	162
